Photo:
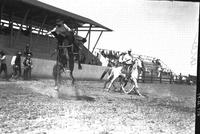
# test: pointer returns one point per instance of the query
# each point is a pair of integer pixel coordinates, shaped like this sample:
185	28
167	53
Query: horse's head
137	63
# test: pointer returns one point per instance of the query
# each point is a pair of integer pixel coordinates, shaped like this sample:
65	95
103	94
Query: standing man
27	67
16	64
3	66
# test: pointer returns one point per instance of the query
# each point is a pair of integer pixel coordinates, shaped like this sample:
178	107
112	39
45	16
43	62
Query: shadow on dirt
84	97
72	92
78	97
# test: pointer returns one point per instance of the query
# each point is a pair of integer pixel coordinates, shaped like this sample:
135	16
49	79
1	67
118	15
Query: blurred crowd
16	62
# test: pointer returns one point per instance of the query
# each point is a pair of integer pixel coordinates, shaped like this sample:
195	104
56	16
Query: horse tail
107	70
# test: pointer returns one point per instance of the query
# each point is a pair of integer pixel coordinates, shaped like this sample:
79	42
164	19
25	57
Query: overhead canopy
179	0
36	11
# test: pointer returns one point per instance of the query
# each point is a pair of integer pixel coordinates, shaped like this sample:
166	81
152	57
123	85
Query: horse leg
104	73
111	83
79	62
136	87
56	75
72	77
115	87
67	59
108	80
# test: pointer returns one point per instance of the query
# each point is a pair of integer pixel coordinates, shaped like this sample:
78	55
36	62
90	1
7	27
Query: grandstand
25	22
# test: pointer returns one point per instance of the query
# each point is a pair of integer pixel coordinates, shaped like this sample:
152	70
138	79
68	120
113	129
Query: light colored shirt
13	60
128	59
3	59
121	58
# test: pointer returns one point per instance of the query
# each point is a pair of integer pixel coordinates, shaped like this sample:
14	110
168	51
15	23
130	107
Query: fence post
170	78
161	77
152	76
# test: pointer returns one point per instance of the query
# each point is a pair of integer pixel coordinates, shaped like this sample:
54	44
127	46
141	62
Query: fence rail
150	77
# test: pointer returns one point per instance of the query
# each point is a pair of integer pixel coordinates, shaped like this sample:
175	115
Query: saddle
127	69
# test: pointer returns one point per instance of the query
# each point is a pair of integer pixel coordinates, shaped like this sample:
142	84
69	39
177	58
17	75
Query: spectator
27	67
16	64
3	66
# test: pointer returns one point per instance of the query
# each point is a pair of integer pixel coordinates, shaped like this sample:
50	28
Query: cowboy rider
127	60
64	35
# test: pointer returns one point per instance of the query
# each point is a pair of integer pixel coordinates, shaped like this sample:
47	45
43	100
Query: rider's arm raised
53	30
67	27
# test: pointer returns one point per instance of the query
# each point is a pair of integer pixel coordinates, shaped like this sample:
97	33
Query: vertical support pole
1	14
31	36
97	41
23	21
11	28
87	33
89	37
43	22
76	31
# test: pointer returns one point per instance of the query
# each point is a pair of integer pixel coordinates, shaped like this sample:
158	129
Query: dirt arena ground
33	107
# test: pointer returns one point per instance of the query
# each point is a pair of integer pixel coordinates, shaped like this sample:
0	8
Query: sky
161	29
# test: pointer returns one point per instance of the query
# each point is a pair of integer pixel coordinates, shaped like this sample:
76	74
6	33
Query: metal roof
37	11
178	0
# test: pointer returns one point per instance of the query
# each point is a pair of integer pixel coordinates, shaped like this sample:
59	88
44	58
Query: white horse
118	71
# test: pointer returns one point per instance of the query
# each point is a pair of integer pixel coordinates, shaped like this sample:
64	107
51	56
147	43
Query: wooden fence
152	76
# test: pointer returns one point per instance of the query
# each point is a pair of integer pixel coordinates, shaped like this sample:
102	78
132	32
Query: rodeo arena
51	83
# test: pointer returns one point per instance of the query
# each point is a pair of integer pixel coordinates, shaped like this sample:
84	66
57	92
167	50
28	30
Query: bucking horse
65	56
127	79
